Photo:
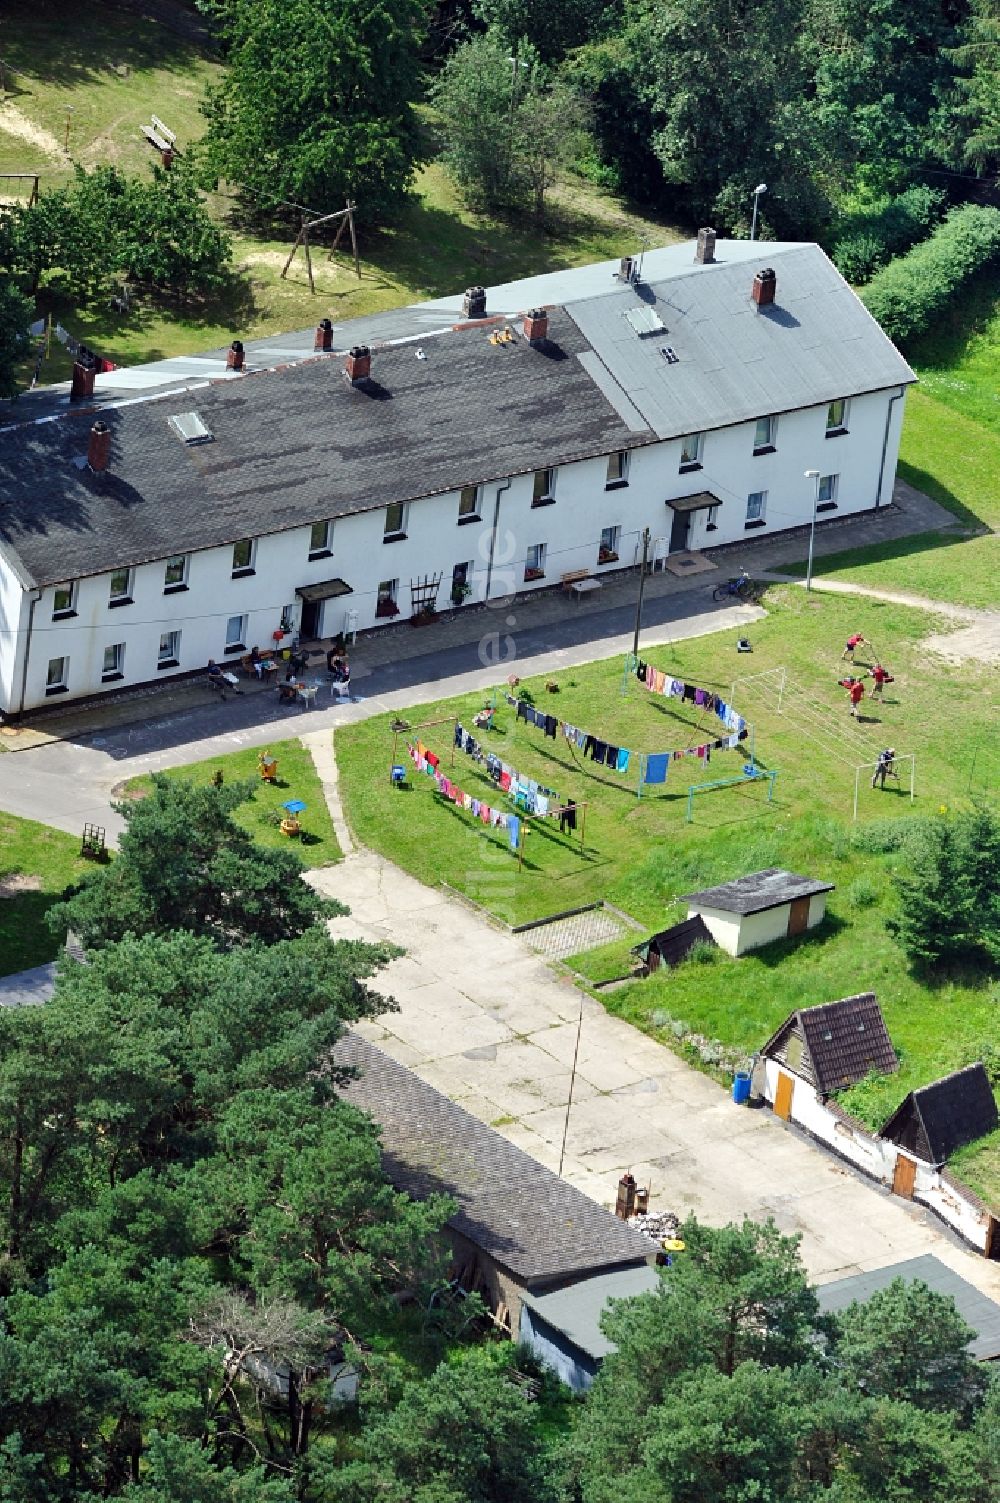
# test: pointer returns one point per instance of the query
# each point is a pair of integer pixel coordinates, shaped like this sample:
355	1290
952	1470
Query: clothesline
652	766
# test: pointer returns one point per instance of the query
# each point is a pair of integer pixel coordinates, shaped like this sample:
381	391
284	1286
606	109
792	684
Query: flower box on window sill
607	556
387	608
532	574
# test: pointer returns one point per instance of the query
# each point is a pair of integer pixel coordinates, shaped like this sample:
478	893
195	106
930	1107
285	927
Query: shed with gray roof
518	1226
761	907
836	1044
980	1313
941	1117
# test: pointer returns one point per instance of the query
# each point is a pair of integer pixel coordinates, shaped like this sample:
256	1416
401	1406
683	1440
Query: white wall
435	542
723	927
14	606
876	1156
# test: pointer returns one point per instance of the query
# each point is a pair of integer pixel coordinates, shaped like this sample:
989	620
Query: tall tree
185	863
727	79
975	107
15	316
949	887
335	120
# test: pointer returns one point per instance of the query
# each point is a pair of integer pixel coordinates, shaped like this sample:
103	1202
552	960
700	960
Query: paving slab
490	1023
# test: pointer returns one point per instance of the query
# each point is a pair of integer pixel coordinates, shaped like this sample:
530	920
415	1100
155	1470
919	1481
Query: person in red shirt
857	692
852	643
881	676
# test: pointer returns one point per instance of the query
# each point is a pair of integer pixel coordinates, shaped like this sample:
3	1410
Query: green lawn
642	856
36	865
297	778
935	564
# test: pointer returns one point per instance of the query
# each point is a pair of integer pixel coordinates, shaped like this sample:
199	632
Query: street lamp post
814	476
760	188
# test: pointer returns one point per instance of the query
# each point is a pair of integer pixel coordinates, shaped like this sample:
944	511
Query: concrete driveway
489	1023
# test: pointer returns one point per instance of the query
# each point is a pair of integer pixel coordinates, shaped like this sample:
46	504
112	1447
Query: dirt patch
979	642
17	124
12	886
124	794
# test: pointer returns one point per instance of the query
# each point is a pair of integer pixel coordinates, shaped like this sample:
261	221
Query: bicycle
739	586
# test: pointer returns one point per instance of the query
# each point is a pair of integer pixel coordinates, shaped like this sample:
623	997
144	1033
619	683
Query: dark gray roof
297	445
939	1118
28	988
758	891
845	1039
576	1311
815	343
977	1310
518	1212
673	944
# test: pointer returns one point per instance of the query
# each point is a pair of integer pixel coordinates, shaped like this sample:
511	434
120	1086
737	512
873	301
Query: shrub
914	289
949	891
875	236
862	893
883	836
704	952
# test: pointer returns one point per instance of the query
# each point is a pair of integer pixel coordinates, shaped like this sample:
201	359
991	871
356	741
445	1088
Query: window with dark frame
691	450
543	491
57	675
836	418
168	653
756	508
468	503
607	549
763	435
534	567
175	572
64	601
617	470
826	493
236	629
385	600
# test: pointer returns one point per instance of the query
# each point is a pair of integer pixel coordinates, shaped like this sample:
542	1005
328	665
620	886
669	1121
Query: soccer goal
896	774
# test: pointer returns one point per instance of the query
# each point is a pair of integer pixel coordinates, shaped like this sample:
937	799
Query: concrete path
485	1020
319	745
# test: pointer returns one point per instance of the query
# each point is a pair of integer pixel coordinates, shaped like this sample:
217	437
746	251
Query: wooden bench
579	582
155	139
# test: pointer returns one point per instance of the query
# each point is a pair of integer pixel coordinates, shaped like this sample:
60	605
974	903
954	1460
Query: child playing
852	643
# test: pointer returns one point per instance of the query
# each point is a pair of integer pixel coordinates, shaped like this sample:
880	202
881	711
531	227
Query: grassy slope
950	450
297	778
36	853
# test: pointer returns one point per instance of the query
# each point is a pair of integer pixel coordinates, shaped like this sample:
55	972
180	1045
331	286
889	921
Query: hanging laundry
513	831
655	769
689	693
676	689
623	757
640	672
611	757
588	747
505	781
550	726
599	751
541	804
700	697
522	710
567	816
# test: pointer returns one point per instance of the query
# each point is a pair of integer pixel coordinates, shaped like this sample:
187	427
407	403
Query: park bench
579	582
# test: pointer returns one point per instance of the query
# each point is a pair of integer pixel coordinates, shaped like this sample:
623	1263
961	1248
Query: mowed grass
937	565
37	864
297	779
642	856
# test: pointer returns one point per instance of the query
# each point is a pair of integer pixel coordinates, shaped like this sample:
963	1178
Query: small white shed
759	908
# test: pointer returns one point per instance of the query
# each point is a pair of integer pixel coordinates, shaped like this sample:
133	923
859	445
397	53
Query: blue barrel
741	1087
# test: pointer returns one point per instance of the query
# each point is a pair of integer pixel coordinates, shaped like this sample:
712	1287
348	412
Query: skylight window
669	354
191	428
645	321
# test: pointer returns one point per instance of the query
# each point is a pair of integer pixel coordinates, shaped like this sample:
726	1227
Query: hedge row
873	239
916	288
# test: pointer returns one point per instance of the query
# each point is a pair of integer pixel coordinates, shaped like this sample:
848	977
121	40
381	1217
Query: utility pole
642	586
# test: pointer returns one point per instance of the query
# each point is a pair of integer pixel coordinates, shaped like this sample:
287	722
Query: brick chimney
705	251
536	325
99	447
474	302
84	375
324	335
234	356
765	284
358	365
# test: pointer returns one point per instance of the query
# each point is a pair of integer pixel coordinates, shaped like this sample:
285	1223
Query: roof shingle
846	1040
939	1118
757	891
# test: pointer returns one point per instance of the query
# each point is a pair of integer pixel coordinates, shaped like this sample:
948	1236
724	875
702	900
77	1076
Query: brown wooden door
783	1096
993	1238
903	1177
798	915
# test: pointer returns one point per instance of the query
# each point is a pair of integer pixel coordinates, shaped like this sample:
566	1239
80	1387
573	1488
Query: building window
243	552
168	655
395	522
763	435
756	508
320	539
63	602
712	519
544	489
57	676
836	418
236	632
534	567
691	451
385	604
617	470
468	503
114	662
460	586
607	551
120	592
175	574
826	493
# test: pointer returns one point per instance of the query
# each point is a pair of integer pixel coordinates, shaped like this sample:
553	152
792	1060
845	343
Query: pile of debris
658	1226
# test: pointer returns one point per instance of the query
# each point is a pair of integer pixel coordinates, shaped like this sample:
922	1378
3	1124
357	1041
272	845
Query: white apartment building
188	510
